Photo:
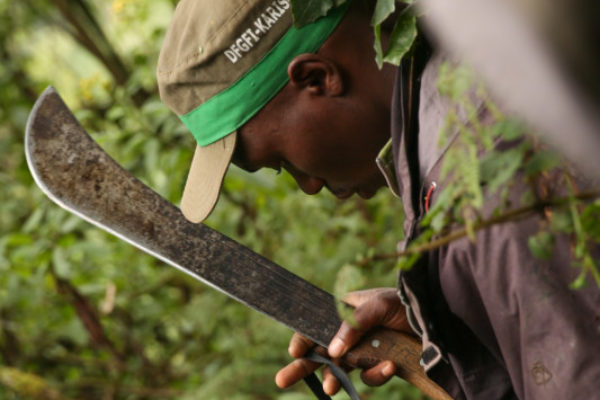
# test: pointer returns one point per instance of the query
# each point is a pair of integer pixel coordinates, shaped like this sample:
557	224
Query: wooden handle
403	350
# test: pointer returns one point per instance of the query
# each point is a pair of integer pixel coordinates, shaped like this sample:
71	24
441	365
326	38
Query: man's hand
373	308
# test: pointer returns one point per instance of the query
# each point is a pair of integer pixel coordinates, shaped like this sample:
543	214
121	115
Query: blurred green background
86	316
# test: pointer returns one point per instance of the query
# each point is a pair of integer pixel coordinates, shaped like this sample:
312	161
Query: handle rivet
375	343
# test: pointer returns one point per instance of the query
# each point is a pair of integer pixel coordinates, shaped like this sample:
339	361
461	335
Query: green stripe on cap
228	110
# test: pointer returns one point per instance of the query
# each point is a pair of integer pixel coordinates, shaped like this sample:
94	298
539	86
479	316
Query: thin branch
88	316
510	215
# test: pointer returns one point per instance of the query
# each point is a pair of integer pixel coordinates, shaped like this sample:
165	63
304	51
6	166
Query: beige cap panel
205	178
193	67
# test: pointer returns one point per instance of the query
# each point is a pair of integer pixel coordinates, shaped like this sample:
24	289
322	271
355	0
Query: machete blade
79	176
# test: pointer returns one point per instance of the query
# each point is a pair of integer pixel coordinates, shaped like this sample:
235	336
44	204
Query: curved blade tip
29	134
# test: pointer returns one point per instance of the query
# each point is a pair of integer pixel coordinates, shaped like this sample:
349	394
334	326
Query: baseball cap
220	63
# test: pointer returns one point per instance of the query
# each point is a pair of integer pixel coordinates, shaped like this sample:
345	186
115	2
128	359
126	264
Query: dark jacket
496	322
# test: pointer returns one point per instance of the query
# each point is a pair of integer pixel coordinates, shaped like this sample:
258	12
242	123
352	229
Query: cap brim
206	177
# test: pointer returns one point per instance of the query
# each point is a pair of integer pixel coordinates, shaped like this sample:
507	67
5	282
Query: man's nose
311	185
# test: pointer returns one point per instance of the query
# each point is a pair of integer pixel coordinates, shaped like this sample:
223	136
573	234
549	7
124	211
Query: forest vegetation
84	315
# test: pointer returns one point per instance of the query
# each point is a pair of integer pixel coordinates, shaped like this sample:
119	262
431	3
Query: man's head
309	100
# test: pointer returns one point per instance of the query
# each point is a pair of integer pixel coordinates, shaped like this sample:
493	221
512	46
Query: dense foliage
84	315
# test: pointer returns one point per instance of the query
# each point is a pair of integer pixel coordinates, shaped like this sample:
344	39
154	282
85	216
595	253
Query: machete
79	176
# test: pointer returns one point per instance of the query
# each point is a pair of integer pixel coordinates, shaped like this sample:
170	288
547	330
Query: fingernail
388	369
278	381
336	348
329	386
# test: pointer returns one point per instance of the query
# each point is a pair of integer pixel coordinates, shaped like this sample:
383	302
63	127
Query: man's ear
316	74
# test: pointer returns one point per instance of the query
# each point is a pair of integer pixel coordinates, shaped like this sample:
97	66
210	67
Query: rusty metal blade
79	176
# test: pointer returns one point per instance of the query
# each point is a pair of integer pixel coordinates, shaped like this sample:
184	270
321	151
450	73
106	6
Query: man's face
319	140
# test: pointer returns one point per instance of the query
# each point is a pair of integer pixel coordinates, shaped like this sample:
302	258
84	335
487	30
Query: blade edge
327	311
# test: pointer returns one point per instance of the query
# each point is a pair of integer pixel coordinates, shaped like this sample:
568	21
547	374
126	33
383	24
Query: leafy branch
511	215
488	158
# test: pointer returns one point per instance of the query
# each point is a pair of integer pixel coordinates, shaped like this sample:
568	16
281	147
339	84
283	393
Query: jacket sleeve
523	310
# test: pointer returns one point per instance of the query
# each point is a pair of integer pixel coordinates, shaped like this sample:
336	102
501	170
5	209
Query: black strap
315	385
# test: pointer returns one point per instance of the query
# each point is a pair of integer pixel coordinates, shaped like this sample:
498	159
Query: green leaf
562	222
469	221
440	207
401	39
579	282
498	167
528	197
590	221
62	266
345	312
470	176
542	161
378	46
509	129
405	263
28	385
349	278
307	11
33	221
383	9
542	245
18	239
454	81
71	223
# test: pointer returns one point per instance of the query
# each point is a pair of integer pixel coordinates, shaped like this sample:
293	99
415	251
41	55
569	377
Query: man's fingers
330	383
385	309
299	345
376	307
344	339
379	374
373	312
295	371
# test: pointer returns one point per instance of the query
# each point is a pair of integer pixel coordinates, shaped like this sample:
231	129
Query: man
258	92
